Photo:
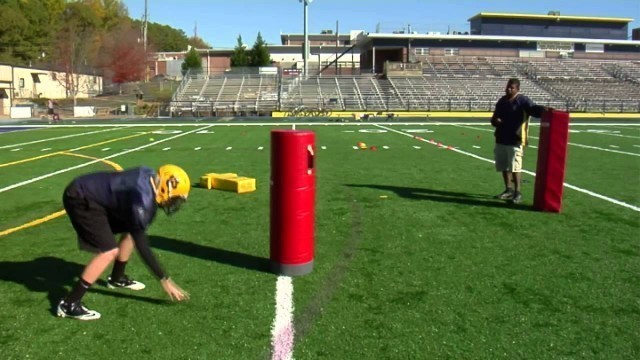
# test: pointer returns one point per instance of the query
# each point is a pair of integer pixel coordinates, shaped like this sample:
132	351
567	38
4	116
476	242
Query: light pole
144	39
306	37
319	60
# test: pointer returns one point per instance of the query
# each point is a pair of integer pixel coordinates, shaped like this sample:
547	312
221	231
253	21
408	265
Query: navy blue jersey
514	114
127	197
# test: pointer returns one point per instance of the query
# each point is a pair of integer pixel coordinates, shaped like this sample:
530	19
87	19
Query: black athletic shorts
50	111
90	221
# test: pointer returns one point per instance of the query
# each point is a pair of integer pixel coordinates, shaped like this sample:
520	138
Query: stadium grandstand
573	63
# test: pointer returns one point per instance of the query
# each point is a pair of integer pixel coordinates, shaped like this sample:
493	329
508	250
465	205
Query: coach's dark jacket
514	114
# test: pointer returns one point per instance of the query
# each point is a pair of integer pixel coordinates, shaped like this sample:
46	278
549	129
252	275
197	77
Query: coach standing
511	120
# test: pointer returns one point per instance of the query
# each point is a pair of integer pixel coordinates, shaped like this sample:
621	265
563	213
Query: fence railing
326	106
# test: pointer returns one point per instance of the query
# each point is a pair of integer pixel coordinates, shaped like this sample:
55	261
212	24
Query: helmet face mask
172	205
172	189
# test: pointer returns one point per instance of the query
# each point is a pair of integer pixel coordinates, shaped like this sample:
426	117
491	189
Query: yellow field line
61	212
33	223
108	162
64	151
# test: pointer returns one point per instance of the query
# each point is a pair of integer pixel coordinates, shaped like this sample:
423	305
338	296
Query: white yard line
57	138
572	144
609	134
27	182
282	331
573	187
603	149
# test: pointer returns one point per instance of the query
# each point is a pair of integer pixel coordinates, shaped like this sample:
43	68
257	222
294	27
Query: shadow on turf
227	257
55	277
445	196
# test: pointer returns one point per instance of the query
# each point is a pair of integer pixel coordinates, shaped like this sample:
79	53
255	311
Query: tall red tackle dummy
552	155
293	191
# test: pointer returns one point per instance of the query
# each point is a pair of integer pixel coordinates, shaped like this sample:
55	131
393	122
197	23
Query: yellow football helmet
173	188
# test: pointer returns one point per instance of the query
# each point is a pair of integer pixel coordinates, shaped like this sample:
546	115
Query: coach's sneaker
505	195
517	198
76	311
124	283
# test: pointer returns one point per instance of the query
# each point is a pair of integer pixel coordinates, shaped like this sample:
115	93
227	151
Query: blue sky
220	22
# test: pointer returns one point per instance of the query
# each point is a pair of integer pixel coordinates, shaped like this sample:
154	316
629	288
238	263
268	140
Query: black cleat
505	195
517	198
76	311
124	283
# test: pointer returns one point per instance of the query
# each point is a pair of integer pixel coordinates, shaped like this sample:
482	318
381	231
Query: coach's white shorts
508	157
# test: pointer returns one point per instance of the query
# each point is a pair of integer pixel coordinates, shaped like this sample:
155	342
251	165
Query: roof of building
550	17
315	36
365	37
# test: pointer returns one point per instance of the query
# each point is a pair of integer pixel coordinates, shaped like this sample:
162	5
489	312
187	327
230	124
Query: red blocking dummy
552	155
293	192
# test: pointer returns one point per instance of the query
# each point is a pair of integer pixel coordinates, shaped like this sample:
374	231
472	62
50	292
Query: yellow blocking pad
238	184
209	180
229	182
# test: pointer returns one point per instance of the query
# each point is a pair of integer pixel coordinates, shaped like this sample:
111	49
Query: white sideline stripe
26	182
33	128
434	123
58	138
573	187
282	331
572	144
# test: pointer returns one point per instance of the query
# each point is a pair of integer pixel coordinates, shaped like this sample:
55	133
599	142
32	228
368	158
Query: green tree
198	43
259	53
164	38
192	61
111	13
75	46
24	30
12	40
240	56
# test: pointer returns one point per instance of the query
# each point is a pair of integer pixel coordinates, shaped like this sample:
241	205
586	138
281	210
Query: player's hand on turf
173	290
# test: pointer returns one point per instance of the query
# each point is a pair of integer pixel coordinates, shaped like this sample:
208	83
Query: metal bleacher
589	85
447	83
224	94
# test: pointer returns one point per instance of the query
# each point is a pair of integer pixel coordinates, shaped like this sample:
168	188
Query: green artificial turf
414	259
